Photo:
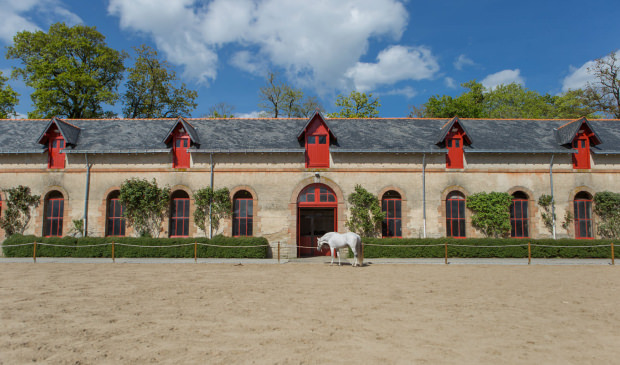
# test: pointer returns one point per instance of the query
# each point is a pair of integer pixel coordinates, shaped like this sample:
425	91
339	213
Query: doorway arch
317	214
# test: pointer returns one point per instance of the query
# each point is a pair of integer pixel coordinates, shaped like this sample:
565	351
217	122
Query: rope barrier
207	244
54	245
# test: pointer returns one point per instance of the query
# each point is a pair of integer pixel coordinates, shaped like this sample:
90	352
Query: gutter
424	194
87	190
211	201
552	198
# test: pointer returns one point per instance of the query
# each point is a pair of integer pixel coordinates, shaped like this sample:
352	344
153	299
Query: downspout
87	189
552	198
211	202
424	194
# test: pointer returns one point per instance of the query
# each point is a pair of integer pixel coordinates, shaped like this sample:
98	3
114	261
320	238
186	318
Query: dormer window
581	158
55	158
317	150
181	143
454	144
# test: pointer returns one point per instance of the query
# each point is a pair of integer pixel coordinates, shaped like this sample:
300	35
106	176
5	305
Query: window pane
384	228
449	143
249	230
311	140
250	206
518	209
513	228
519	229
186	227
242	227
588	209
455	227
186	208
397	205
526	231
184	143
242	208
54	226
461	228
524	210
177	142
391	227
397	228
457	143
322	139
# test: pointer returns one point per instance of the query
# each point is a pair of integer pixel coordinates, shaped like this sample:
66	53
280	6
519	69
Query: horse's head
321	241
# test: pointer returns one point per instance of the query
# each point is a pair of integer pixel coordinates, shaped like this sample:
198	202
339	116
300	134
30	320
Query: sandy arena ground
308	314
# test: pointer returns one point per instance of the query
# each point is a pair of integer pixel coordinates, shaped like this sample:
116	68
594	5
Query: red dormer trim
582	141
455	138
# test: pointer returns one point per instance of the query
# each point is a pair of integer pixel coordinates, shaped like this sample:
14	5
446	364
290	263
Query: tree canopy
356	105
604	93
278	99
71	70
511	101
151	90
221	110
8	99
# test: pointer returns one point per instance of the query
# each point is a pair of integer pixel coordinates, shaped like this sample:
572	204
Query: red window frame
243	215
55	158
180	147
519	218
581	159
583	218
455	218
317	150
179	217
317	195
115	221
54	217
392	224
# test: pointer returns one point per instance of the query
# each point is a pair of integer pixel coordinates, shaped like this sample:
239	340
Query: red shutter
454	143
317	145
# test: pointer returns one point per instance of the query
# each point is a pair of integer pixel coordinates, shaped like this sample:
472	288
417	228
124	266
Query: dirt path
308	314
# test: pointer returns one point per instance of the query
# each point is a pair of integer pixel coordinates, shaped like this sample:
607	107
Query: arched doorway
316	215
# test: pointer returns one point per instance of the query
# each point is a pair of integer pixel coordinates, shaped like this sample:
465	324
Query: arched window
243	214
54	208
391	206
179	214
519	215
115	221
583	215
455	215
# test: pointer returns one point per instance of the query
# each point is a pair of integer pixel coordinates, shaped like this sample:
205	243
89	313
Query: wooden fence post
446	252
613	262
529	252
278	252
34	252
113	258
196	252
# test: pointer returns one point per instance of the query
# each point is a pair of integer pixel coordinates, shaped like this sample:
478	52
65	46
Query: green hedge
482	252
76	248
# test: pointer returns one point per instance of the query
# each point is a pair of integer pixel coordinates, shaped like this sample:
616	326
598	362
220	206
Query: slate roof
280	135
567	132
69	131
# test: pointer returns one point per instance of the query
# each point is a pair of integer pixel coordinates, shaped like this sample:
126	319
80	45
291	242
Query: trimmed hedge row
483	252
77	249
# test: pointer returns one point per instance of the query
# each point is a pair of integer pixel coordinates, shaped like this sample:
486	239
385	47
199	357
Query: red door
181	155
56	158
581	159
454	159
316	215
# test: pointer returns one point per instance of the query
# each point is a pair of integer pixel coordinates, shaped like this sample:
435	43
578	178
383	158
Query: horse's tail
360	251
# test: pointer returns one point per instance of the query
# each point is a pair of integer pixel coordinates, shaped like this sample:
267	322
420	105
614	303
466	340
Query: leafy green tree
356	105
366	215
145	205
71	70
511	101
491	213
279	99
19	205
607	208
604	93
151	90
8	99
211	207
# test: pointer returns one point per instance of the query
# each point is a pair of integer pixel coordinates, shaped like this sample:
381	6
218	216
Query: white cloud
250	115
504	77
394	64
578	78
406	91
316	42
462	61
450	82
245	61
16	16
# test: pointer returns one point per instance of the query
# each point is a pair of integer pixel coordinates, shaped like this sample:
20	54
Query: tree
211	207
491	213
19	205
604	93
221	110
71	70
467	105
548	216
8	99
151	90
366	215
607	208
145	205
356	105
280	99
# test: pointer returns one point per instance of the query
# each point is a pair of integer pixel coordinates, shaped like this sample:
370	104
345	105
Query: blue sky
401	51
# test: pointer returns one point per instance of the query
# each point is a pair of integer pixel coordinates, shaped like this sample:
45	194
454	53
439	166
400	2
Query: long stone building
289	179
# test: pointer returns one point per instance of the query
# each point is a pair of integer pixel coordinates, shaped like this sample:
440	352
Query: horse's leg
355	256
331	250
338	254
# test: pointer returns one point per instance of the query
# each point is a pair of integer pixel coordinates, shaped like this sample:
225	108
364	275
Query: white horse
336	241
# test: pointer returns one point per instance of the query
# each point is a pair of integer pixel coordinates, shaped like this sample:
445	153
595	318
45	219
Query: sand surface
308	314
